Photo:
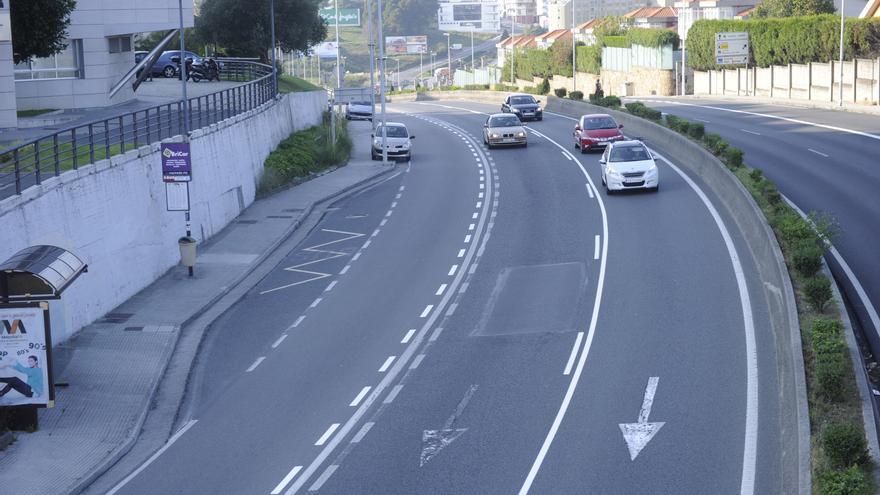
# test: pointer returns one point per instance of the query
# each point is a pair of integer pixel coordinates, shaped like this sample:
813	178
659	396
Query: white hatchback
398	142
629	165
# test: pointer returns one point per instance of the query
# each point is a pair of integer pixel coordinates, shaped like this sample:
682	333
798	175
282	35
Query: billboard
403	45
732	48
469	15
327	49
347	17
25	359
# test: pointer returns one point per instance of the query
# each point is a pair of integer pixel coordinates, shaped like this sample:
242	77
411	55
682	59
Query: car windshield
593	123
394	131
504	121
522	100
628	154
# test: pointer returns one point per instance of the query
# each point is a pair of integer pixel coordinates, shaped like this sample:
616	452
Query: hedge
782	41
589	59
652	38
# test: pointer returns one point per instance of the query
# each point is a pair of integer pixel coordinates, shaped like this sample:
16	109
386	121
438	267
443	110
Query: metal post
840	95
338	65
684	70
512	48
185	106
372	46
382	81
421	69
398	73
449	57
473	64
573	50
274	62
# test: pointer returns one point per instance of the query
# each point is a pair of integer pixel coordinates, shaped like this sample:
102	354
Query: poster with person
24	356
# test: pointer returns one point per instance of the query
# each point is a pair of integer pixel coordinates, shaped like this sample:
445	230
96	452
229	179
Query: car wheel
374	156
655	188
540	118
584	150
169	71
526	144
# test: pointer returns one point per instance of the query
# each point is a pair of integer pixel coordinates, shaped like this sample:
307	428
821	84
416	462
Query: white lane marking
703	121
435	334
751	132
394	204
344	269
284	482
398	196
426	311
482	178
417	361
317	249
324	477
316	302
388	214
331	286
574	351
367	244
362	432
153	457
467	238
472	269
480	195
360	396
298	321
596	248
375	233
408	336
402	188
327	434
475	215
463	288
482	186
440	290
383	222
256	363
590	190
817	152
452	270
638	434
452	308
356	256
393	394
461	253
566	156
471	227
387	363
479	204
279	341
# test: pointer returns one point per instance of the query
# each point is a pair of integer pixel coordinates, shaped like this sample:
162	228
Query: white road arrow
433	441
637	435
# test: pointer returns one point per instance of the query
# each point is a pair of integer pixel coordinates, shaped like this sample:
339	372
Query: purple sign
176	162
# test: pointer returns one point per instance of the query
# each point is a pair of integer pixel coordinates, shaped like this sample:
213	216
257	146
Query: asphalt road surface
488	322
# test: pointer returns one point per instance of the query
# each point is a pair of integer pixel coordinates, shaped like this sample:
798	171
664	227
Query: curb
129	442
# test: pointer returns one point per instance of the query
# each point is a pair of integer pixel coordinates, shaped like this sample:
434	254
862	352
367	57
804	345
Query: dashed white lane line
574	351
362	432
441	290
394	204
480	195
467	238
479	204
356	256
383	222
298	321
703	121
398	196
596	248
387	364
327	434
344	269
388	214
331	286
452	270
316	302
461	253
286	481
751	132
402	188
393	394
590	190
417	361
472	226
476	215
375	233
452	308
408	336
435	334
566	156
256	363
482	178
323	478
360	396
367	244
482	186
279	341
427	311
817	152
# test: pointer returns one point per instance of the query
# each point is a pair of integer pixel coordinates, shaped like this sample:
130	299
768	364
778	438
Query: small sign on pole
25	355
176	162
732	48
177	196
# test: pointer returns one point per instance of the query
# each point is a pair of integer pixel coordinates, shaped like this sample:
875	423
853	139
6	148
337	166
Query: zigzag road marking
317	249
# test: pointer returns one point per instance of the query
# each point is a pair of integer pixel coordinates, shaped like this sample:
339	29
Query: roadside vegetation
33	113
840	461
290	84
304	154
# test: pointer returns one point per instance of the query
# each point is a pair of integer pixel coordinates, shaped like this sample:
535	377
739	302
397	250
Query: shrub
793	228
639	109
589	59
715	143
576	95
817	290
770	193
851	481
677	124
826	338
544	87
652	37
531	90
475	87
560	92
806	257
831	371
733	157
756	174
609	101
844	445
696	130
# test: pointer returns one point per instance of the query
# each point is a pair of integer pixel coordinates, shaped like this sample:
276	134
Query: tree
409	17
39	27
793	8
242	26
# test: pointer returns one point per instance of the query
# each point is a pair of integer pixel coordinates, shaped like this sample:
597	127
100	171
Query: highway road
488	322
823	161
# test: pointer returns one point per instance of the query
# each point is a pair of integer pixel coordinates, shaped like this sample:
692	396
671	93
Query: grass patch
33	113
49	159
290	84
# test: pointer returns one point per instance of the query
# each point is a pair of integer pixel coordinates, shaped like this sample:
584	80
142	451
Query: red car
596	131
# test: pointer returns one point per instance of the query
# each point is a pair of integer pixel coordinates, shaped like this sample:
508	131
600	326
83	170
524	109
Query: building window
120	44
65	65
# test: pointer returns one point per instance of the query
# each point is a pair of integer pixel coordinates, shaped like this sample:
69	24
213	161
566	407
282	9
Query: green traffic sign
347	17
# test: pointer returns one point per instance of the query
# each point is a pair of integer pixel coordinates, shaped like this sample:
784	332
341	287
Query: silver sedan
504	129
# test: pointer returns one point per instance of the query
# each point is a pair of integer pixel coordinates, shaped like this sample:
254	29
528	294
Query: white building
559	15
100	51
521	11
690	12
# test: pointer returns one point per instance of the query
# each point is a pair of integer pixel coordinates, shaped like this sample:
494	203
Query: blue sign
176	162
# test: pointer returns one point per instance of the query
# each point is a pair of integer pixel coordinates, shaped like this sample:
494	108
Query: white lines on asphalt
402	188
387	363
463	288
256	363
471	226
331	286
362	432
398	196
298	321
323	478
417	361
480	195
327	434
153	457
436	334
427	311
703	121
817	152
284	482
475	216
356	256
394	204
440	290
316	302
389	213
317	249
472	269
393	394
383	222
574	351
408	336
482	186
279	341
452	308
344	269
461	253
360	396
596	248
479	204
482	178
452	270
467	238
367	244
751	132
566	156
590	190
375	233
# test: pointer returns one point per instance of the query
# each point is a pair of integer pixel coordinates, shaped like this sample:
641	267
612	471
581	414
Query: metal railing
29	163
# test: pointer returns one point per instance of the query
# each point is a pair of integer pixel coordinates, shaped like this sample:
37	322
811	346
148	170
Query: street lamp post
274	62
473	65
573	50
381	41
448	58
840	71
397	59
513	48
372	46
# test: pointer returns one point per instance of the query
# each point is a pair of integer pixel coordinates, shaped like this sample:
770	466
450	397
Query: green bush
793	228
475	87
756	174
639	109
560	92
844	445
770	193
652	37
544	87
605	101
733	157
806	257
616	41
817	290
851	481
589	59
505	87
715	143
826	336
576	95
831	371
531	90
696	130
677	124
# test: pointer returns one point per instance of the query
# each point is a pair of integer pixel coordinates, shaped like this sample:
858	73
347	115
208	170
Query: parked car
504	129
165	67
398	141
359	110
628	165
596	131
140	55
524	106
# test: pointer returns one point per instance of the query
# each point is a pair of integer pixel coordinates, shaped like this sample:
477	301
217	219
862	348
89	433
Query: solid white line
393	394
596	248
702	120
256	363
362	432
386	364
417	361
279	341
440	290
817	152
153	457
344	269
323	478
452	270
461	253
315	302
293	472
751	132
356	256
590	190
331	286
298	321
360	396
566	156
574	351
408	336
427	310
327	434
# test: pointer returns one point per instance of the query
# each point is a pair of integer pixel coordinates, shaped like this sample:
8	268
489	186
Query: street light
397	59
840	95
448	57
573	50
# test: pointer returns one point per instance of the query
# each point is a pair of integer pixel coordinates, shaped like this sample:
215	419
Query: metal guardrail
29	163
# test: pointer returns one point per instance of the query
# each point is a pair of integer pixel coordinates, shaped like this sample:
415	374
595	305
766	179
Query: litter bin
627	89
187	247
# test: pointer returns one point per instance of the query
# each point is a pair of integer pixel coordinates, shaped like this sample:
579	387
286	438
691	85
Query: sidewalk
115	365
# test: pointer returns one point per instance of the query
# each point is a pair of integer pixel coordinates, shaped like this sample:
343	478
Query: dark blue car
165	67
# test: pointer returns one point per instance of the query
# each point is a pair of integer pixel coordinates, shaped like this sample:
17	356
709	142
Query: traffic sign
732	48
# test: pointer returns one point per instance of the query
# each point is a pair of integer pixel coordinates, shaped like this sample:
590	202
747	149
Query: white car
359	110
398	141
629	165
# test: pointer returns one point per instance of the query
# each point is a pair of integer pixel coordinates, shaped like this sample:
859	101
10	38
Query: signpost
177	174
732	48
404	45
347	17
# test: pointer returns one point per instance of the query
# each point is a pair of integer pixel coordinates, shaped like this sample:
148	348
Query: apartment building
521	11
559	15
653	17
692	11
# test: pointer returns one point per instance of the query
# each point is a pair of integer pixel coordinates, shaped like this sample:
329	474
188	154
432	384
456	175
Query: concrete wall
644	82
7	84
112	213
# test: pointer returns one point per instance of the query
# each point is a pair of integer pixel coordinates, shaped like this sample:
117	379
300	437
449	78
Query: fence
29	163
813	81
489	75
622	59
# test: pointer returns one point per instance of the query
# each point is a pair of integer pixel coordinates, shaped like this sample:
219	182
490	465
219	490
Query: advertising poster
24	356
327	49
176	162
395	45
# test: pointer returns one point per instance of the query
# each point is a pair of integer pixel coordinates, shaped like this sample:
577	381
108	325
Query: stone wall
644	81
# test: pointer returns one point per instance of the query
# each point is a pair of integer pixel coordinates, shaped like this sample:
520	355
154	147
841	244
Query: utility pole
449	57
573	50
382	83
372	45
513	48
421	69
840	72
183	77
274	62
473	64
338	66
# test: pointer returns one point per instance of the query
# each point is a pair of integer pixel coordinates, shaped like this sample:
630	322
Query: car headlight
612	172
539	109
377	142
521	134
494	135
514	110
651	171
